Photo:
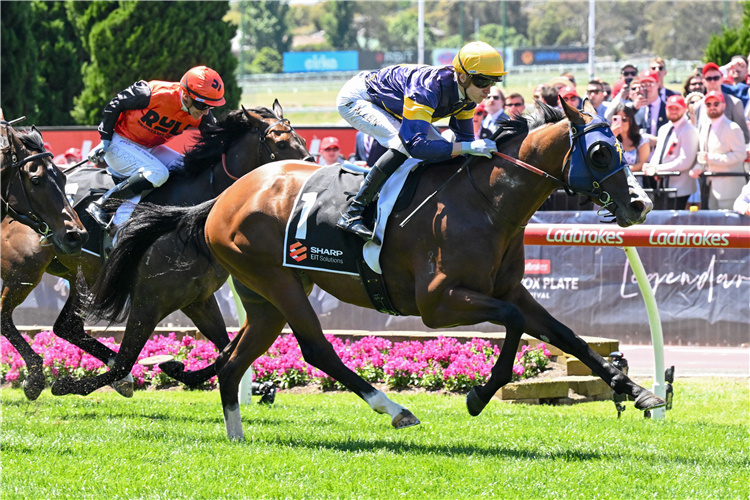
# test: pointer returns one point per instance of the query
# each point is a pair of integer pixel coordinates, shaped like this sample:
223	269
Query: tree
61	56
265	24
267	61
339	26
20	80
154	41
731	42
403	32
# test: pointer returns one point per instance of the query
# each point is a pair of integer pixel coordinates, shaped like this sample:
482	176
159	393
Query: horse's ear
588	107
277	109
572	113
254	119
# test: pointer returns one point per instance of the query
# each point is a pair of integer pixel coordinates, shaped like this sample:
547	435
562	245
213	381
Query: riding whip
468	160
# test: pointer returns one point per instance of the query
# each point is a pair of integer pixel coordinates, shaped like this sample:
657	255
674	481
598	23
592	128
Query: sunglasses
514	105
571	98
201	106
657	68
629	73
712	104
712	78
482	81
494	97
593	91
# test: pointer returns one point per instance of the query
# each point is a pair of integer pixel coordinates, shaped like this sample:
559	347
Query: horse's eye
35	181
600	156
282	145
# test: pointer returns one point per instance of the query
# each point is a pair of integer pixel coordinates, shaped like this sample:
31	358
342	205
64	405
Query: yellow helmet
478	59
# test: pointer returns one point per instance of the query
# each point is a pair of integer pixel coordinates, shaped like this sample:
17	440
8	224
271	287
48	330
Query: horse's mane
216	140
521	125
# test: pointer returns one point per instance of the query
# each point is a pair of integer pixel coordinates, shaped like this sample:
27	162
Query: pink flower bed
443	363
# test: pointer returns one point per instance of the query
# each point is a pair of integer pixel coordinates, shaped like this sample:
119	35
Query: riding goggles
201	106
483	81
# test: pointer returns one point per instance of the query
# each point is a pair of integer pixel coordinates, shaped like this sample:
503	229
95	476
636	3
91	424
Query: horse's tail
111	295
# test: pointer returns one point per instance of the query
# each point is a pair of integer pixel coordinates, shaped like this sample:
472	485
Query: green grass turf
171	445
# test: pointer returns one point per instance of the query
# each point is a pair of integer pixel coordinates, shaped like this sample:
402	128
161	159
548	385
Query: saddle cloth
312	239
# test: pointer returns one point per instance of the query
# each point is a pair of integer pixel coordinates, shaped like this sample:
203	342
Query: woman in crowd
636	147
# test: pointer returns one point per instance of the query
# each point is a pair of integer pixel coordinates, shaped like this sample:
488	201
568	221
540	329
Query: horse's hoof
404	419
473	403
124	386
172	368
649	401
33	385
63	386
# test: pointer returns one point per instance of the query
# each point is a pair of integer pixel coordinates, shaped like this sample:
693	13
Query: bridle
262	142
29	219
577	135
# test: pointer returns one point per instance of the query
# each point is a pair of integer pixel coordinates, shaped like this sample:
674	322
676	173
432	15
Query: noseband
30	219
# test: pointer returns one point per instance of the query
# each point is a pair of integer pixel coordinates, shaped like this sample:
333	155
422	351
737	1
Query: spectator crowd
687	147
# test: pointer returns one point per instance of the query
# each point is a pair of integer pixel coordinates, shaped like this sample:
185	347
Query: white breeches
127	158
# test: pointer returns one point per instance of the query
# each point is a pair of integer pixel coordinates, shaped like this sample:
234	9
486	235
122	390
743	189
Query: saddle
84	186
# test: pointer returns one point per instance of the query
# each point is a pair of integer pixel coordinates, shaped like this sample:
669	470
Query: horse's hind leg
69	326
540	324
206	316
262	326
144	317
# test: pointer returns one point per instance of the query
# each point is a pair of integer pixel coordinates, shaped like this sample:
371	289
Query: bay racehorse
34	203
239	143
460	261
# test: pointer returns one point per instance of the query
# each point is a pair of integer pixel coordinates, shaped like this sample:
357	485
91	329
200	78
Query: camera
266	391
628	79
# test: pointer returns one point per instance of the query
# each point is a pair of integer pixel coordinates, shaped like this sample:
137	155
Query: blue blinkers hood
596	155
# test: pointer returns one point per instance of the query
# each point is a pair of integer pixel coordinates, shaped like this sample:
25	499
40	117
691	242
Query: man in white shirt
676	150
494	105
721	149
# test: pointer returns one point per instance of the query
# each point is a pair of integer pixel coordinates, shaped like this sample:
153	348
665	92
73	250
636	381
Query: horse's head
33	191
597	168
278	139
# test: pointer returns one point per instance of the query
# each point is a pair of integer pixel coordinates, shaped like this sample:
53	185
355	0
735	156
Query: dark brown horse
460	262
33	203
241	141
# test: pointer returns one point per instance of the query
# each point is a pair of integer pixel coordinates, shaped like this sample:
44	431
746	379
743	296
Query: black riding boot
132	186
385	166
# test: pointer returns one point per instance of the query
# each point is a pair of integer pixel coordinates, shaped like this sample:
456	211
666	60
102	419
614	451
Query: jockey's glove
96	153
481	147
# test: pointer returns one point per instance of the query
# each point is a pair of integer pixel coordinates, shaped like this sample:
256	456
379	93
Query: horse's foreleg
460	306
540	324
34	383
207	318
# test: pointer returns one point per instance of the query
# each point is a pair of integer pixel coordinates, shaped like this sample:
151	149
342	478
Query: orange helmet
204	85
